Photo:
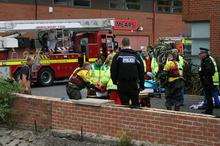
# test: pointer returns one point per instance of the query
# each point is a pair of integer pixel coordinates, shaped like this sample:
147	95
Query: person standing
173	85
25	76
127	72
112	88
206	73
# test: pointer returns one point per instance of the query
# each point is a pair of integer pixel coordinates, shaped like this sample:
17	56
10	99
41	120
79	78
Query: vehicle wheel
46	77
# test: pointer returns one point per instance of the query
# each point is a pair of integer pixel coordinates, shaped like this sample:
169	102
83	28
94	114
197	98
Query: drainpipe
154	22
36	4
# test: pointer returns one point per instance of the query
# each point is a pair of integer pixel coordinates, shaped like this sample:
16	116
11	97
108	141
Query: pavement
59	91
20	137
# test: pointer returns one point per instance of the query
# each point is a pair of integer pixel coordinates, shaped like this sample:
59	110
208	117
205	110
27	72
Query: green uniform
99	74
154	66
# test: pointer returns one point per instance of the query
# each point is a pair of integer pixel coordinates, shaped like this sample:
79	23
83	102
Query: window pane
164	2
82	3
59	1
177	3
116	4
177	9
164	9
133	4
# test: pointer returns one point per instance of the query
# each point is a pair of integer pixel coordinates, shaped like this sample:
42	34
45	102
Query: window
164	2
200	36
133	4
60	1
116	4
125	4
169	6
177	6
82	3
164	6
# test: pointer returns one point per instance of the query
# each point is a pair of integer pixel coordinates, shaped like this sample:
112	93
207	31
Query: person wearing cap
127	72
206	72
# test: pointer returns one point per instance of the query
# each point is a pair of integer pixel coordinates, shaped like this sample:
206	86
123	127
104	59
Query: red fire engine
63	42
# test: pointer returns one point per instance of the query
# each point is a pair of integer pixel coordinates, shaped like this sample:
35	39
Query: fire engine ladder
74	24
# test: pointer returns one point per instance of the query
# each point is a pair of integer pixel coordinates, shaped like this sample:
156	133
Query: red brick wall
196	10
205	10
28	111
164	22
156	126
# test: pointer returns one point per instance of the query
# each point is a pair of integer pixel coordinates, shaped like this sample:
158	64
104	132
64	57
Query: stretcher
152	90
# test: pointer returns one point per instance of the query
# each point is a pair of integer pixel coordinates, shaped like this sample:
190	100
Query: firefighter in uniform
78	82
207	72
127	72
174	84
181	65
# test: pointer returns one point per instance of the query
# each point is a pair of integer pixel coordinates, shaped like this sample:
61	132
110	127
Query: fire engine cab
56	45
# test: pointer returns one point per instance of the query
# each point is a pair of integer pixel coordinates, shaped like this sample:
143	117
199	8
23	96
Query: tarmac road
59	91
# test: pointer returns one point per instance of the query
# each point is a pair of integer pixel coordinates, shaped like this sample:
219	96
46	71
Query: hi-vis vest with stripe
99	75
215	78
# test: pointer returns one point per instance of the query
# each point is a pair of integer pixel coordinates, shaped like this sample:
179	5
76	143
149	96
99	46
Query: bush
7	88
124	140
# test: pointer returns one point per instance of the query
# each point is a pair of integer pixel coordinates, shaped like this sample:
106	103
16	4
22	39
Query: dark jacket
206	72
127	66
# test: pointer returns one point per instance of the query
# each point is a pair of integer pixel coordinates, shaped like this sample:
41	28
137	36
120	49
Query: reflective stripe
154	66
92	59
181	65
43	57
43	62
215	78
47	61
9	63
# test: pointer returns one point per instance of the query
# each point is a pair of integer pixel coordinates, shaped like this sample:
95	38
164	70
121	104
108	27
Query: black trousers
173	95
208	97
129	91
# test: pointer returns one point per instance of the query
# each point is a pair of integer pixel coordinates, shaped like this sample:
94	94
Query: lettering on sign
128	59
50	27
125	24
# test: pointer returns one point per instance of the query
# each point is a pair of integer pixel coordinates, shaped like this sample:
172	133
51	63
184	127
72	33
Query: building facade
166	22
204	19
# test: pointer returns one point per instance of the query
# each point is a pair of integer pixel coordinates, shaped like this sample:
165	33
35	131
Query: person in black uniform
206	72
127	72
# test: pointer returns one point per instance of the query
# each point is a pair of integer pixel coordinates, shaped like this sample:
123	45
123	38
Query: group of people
121	76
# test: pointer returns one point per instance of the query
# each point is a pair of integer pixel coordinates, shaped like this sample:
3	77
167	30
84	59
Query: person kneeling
78	82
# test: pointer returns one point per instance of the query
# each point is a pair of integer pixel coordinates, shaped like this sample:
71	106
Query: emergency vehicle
59	61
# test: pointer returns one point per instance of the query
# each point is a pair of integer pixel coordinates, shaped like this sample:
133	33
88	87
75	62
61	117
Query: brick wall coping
109	104
106	119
